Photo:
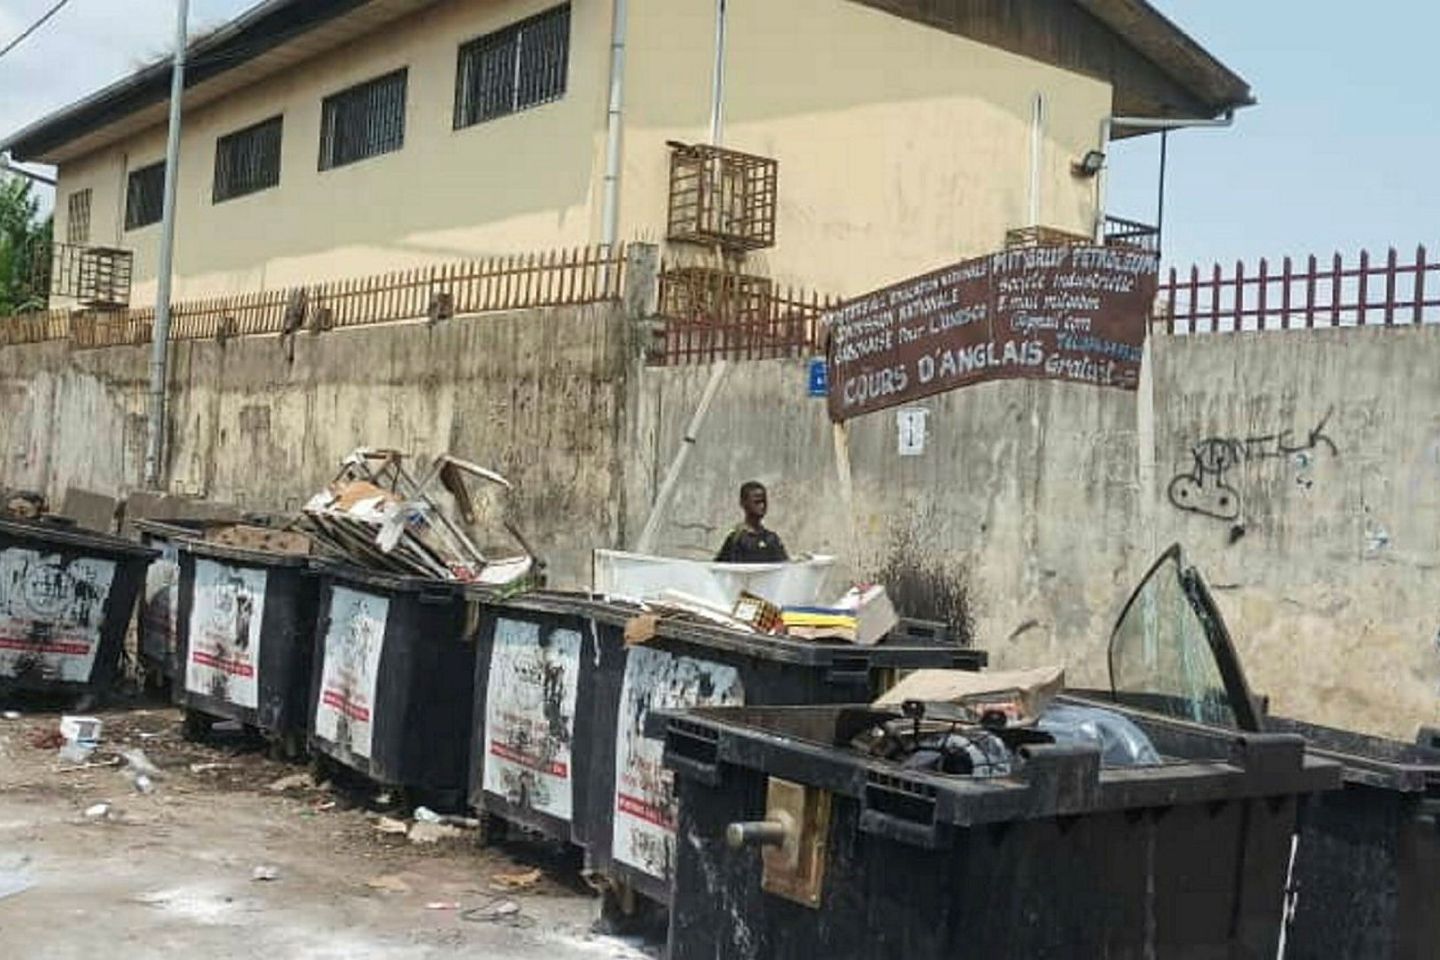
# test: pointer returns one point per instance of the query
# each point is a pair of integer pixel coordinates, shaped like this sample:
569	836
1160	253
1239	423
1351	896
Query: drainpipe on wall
610	210
1037	156
717	86
1141	123
160	335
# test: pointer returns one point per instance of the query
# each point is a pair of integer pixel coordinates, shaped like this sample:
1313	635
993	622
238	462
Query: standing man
750	542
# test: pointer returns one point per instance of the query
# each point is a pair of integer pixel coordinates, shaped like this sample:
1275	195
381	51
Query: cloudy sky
1338	155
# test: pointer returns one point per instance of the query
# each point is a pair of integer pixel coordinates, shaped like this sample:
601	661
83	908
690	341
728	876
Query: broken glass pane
1161	654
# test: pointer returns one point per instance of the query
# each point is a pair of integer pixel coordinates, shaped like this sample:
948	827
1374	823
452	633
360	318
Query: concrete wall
537	396
901	148
1044	503
1330	444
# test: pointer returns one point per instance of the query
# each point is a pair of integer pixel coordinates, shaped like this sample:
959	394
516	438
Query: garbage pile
377	514
975	725
774	599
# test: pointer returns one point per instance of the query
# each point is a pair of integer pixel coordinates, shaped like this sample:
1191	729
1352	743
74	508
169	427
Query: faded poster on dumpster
354	640
224	660
1076	313
530	716
161	612
644	821
51	612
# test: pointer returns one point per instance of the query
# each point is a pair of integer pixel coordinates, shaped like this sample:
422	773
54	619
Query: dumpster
393	689
246	627
561	704
1367	857
66	598
1367	867
794	844
158	622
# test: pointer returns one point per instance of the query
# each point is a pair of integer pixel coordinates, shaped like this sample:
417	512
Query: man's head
753	501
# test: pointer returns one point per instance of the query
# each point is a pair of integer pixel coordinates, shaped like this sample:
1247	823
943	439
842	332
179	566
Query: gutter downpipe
717	87
610	210
1142	123
160	335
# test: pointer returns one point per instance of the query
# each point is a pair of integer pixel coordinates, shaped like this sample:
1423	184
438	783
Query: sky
1338	155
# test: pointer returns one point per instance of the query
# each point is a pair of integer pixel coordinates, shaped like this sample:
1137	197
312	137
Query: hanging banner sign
1075	313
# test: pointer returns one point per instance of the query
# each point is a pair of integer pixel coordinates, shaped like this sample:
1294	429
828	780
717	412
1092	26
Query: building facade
337	138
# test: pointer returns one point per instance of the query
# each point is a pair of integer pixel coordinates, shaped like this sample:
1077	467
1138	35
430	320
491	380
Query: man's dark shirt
745	545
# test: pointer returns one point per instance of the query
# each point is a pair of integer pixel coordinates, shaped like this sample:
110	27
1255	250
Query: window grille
363	121
145	196
77	220
513	69
248	160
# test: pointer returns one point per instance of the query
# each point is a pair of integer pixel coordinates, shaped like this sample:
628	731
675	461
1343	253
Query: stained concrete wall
1313	506
537	396
1044	503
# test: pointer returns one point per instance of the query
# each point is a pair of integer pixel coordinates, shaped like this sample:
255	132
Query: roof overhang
1155	68
265	40
1171	49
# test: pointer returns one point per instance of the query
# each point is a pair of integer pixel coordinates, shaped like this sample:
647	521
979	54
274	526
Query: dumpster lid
1171	653
804	744
48	532
351	575
615	613
190	543
1373	761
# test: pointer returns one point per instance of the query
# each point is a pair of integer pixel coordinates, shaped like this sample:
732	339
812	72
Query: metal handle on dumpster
899	811
693	752
849	672
759	833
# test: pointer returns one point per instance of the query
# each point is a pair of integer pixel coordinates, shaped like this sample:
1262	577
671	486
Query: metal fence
558	278
1365	292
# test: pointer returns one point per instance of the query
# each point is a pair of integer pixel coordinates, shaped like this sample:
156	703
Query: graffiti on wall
1208	489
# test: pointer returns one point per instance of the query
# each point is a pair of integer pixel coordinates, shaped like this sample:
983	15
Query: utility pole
160	336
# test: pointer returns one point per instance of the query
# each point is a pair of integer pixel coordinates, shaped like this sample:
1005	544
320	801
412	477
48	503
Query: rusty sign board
1074	313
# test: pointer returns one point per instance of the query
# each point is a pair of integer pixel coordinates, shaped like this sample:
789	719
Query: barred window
364	121
145	196
513	69
77	220
248	160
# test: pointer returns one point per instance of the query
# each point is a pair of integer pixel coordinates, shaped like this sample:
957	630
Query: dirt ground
176	872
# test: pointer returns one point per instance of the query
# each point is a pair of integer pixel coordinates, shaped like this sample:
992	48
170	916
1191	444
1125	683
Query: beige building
336	138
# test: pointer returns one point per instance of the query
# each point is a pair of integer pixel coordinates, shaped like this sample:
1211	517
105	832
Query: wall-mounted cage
96	277
710	295
722	197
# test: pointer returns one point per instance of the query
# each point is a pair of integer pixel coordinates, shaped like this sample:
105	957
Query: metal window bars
248	160
363	121
521	66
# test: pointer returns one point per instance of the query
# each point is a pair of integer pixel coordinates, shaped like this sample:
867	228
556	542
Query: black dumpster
66	598
1367	866
795	845
158	623
393	691
246	630
1367	857
561	705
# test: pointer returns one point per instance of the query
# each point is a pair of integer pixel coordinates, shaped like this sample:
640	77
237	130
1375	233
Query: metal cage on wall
722	197
710	295
97	277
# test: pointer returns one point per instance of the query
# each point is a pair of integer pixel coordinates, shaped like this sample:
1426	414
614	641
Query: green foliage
24	236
